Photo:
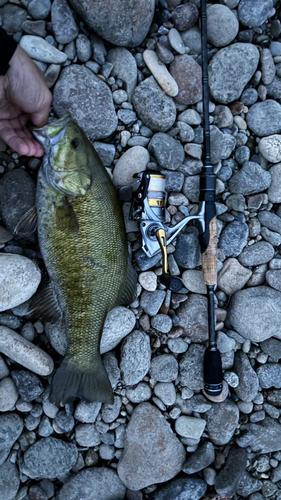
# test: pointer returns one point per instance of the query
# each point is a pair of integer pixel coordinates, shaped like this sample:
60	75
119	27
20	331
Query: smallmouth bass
83	243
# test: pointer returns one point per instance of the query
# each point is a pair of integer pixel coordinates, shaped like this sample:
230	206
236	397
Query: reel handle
172	282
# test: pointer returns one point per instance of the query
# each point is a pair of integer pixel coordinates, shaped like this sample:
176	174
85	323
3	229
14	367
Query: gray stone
272	347
135	357
88	99
185	16
273	89
28	384
140	393
269	375
64	422
270	148
191	368
268	66
149	439
270	236
168	152
192	40
87	412
254	255
222	420
11	426
249	97
263	437
83	48
57	335
187	252
174	181
152	301
39	9
200	459
230	70
164	368
194	282
225	343
186	133
156	110
223	118
117	22
190	427
106	152
63	23
39	49
217	143
166	392
113	334
124	68
250	179
9	481
111	412
229	143
228	479
162	323
97	483
247	316
12	18
270	220
191	188
222	25
181	489
248	380
234	238
111	365
193	317
37	28
132	162
8	394
254	12
274	191
190	89
98	48
50	458
233	276
248	484
4	370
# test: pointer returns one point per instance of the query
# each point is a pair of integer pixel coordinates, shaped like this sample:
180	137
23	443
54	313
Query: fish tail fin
92	384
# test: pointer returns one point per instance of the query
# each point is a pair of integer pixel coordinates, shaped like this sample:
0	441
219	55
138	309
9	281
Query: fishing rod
148	207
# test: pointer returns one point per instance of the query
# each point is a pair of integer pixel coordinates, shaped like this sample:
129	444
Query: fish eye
75	143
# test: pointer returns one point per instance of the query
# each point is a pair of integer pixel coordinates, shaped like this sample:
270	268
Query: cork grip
209	257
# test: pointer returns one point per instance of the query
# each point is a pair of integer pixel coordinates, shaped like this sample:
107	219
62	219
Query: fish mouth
53	132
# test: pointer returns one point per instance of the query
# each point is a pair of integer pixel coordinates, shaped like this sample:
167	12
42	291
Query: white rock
190	427
160	73
133	161
8	394
193	280
270	148
176	41
24	352
148	280
19	280
119	322
39	49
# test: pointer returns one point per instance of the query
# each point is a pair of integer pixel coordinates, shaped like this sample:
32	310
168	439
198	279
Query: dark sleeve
7	48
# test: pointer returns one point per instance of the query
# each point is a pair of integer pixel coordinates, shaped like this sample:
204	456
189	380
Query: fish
83	243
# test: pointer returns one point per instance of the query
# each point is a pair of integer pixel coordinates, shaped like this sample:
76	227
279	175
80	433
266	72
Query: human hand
24	96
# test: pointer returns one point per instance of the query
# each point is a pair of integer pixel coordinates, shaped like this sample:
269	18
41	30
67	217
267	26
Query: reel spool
156	196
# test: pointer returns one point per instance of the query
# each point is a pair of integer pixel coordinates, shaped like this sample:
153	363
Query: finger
40	117
11	138
39	151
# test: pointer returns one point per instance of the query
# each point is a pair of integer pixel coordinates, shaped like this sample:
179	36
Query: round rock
133	161
253	13
248	386
190	427
254	255
8	394
185	16
222	25
193	317
166	392
270	148
222	420
9	480
113	334
88	99
98	483
264	118
191	488
63	23
190	89
11	426
135	357
168	152
164	368
37	48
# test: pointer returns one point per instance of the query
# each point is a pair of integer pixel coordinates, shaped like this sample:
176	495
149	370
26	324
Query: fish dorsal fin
28	222
66	217
44	305
129	293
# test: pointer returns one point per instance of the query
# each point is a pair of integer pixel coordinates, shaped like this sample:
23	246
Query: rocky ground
162	439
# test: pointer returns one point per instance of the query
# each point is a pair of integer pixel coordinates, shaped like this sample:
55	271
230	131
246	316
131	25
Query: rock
185	16
133	161
194	282
8	394
272	347
12	18
263	436
176	41
230	70
164	49
149	439
191	187
100	483
234	238
168	152
24	352
124	68
269	375
223	118
249	97
248	380
222	420
248	484
274	191
273	278
135	357
160	73
113	334
273	89
83	48
39	49
228	479
250	179
190	427
57	335
52	74
190	89
229	143
50	458
225	343
200	458
164	368
162	323
9	480
152	301
106	152
11	426
187	252
222	25
233	276
19	280
166	392
193	317
88	99
87	412
270	148
192	40
246	313
37	28
181	489
268	66
142	392
63	23
254	255
191	368
117	22
270	220
254	12
4	370
39	10
154	108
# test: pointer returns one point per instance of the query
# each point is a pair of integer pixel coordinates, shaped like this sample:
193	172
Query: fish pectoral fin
28	223
45	306
67	218
129	292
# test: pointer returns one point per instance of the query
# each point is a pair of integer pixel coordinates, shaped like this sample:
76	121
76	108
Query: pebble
88	99
234	238
148	280
106	152
191	367
37	28
191	117
29	386
12	18
11	426
254	255
9	480
230	70
253	13
249	97
49	458
149	438
270	148
164	368
4	370
223	117
87	435
227	481
193	317
231	378
100	481
194	282
39	49
187	253
274	191
248	484
190	427
160	73
262	436
200	459
19	280
113	334
168	152
166	392
8	394
140	393
268	66
190	89
152	301
135	357
63	23
176	41
155	109
124	67
39	10
250	179
222	420
225	343
248	386
222	25
24	352
162	323
269	375
233	276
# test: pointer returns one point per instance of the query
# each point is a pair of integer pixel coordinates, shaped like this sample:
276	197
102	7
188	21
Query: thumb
40	117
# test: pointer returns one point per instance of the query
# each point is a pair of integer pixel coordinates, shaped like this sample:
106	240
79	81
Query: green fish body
83	243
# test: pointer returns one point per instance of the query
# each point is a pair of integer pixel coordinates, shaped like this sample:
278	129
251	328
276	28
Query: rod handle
212	372
210	257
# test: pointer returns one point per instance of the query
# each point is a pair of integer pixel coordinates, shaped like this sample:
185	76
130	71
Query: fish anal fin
129	292
66	217
45	306
28	223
